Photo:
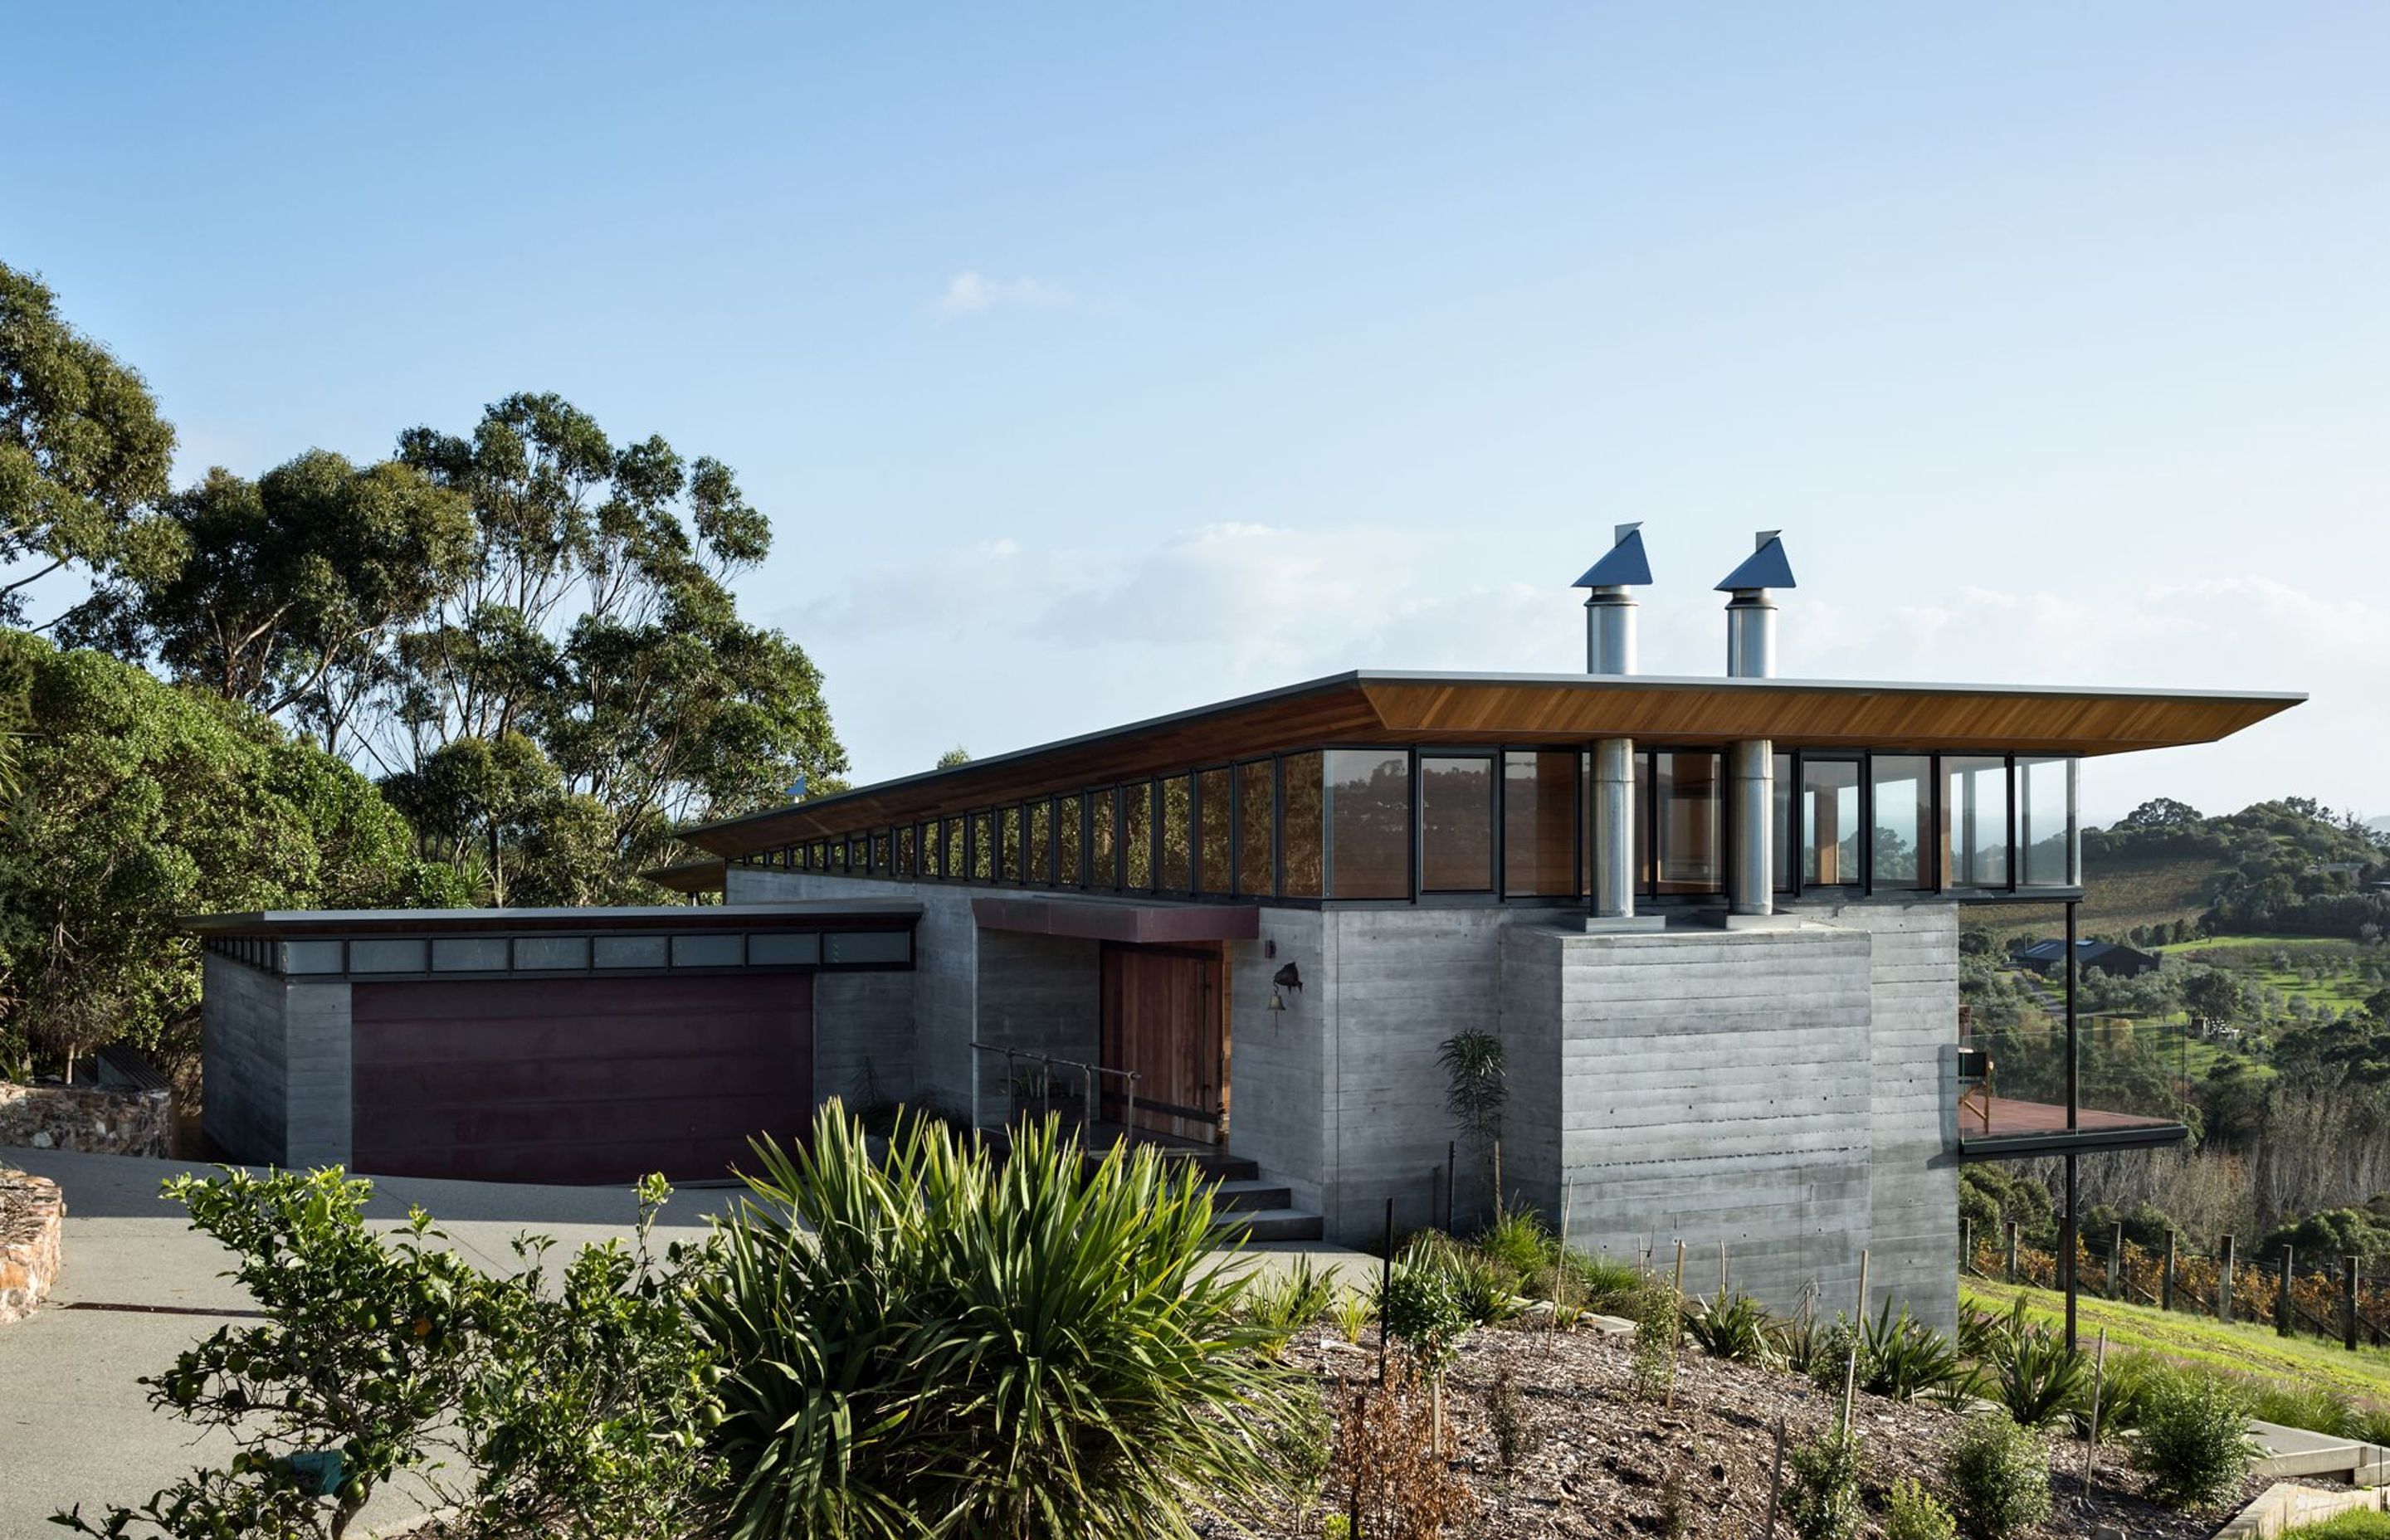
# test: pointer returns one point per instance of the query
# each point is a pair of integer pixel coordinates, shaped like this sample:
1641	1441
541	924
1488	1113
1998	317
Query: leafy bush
2037	1378
1419	1308
1826	1353
1736	1327
1821	1488
1520	1242
1912	1513
2194	1441
1506	1420
1999	1475
1046	1346
578	1411
1658	1323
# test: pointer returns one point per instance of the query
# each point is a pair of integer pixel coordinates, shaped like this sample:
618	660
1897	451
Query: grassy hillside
2255	1351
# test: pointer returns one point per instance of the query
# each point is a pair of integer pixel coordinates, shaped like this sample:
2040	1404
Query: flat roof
803	915
1363	707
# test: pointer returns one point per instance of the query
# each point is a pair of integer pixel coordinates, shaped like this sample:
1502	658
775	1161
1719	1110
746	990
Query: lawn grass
2360	1525
2362	1375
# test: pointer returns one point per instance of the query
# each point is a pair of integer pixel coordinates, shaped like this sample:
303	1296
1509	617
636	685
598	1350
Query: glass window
1137	834
1041	841
1177	873
932	846
1455	824
883	852
1829	822
1012	852
956	862
1368	796
2046	820
1300	835
1539	825
1976	823
1646	876
1070	837
1103	856
1904	811
1686	805
982	851
1213	810
1256	858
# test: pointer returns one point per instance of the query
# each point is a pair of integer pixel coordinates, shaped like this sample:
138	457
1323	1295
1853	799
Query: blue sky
1099	361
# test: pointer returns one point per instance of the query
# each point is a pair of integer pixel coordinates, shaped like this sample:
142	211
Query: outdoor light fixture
1284	979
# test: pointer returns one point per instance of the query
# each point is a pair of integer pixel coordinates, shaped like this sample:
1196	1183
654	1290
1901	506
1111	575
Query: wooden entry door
1165	1016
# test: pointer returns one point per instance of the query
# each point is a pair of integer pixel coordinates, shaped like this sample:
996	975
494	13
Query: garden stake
1668	1403
2348	1302
1775	1482
2091	1446
1385	1282
1451	1165
2165	1282
2282	1298
1721	1294
1559	1252
2224	1283
2115	1255
2012	1250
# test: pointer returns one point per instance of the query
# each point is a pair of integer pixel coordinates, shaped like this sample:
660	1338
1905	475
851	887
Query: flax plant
937	1345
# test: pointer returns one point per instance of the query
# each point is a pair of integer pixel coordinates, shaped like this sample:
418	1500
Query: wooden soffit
1551	709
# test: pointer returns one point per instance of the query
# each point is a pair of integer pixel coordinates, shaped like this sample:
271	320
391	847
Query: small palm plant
938	1346
1475	1094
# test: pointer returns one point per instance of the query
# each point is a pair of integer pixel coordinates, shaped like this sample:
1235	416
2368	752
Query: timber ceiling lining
1371	707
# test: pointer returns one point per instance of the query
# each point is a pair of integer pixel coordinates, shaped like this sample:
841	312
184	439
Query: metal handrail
1047	1062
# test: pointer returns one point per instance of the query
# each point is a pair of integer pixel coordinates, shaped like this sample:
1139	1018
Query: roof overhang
1367	707
690	877
297	924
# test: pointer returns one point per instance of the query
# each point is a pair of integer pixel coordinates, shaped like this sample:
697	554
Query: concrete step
1273	1225
1248	1194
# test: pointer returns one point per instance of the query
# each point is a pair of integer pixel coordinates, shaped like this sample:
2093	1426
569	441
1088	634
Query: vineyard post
2348	1302
2282	1298
2115	1255
2165	1284
2224	1283
1966	1246
2013	1263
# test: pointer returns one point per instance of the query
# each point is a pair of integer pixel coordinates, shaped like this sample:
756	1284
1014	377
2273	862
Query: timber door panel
577	1079
1163	1017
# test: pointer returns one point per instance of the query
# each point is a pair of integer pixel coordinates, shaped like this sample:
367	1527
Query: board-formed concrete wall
1279	1059
923	1049
274	1056
1040	994
1779	1092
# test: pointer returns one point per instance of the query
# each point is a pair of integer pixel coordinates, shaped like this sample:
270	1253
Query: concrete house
1713	923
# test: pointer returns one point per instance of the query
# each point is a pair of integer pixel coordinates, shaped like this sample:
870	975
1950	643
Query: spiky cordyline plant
936	1345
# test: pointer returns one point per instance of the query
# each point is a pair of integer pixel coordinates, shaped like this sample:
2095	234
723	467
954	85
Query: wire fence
2330	1297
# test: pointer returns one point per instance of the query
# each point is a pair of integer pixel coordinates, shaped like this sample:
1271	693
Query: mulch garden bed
1599	1459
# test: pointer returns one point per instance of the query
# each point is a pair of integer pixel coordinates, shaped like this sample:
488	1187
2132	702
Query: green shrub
1283	1304
1658	1323
1736	1327
1419	1308
2037	1378
1599	1284
1045	1346
2194	1444
1821	1487
1999	1477
1520	1242
1912	1513
1352	1312
1828	1354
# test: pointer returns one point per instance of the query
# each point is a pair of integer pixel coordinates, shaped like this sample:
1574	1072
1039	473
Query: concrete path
75	1428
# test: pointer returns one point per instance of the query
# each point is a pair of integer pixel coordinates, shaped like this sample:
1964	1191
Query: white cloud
1027	641
968	293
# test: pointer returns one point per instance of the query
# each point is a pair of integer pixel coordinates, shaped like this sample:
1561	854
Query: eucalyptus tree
83	454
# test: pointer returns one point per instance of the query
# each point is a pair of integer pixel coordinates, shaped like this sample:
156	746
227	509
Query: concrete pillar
1613	827
1750	809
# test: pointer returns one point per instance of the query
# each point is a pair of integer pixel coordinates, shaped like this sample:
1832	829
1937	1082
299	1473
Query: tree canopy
83	454
142	803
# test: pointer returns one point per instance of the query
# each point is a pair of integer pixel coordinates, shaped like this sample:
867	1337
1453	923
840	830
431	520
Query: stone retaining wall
97	1120
30	1210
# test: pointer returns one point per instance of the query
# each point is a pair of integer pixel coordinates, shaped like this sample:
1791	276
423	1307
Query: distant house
2048	957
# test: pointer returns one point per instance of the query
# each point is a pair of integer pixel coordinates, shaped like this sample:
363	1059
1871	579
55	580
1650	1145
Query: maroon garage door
577	1079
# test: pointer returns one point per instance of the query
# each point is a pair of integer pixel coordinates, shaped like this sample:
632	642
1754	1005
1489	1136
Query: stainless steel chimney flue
1610	649
1609	608
1750	774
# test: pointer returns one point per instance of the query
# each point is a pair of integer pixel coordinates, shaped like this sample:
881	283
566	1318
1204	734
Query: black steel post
2074	1058
2066	1243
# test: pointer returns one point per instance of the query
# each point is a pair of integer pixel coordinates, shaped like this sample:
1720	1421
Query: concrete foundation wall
862	1036
243	1058
1041	995
1279	1059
